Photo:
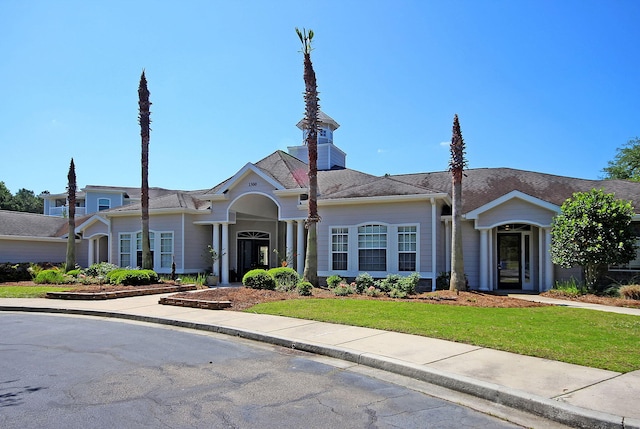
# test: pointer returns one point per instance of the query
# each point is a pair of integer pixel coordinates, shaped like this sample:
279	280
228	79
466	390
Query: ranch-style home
376	224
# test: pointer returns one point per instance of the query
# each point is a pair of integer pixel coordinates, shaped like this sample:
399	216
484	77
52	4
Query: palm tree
456	166
70	263
145	121
310	273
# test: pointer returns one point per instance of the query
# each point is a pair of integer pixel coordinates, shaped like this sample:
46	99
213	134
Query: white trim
93	219
473	214
291	192
248	168
41	239
381	199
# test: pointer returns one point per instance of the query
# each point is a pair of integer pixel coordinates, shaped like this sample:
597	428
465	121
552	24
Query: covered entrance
514	256
253	251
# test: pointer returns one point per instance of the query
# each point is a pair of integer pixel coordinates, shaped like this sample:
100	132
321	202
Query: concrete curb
553	410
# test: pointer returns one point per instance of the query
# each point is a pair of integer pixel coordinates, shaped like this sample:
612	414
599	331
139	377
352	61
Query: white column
484	259
288	251
491	264
216	247
92	244
548	263
300	248
434	270
224	274
447	245
541	260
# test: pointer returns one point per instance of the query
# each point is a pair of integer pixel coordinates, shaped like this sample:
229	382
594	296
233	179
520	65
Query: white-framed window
125	250
339	248
372	248
104	204
407	248
139	247
166	249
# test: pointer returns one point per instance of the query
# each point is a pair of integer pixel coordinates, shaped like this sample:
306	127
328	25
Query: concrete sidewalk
573	395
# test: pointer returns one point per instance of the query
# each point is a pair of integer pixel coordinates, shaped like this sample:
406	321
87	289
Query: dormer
329	155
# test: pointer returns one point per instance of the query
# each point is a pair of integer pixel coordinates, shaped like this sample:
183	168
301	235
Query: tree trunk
310	273
458	280
145	131
70	263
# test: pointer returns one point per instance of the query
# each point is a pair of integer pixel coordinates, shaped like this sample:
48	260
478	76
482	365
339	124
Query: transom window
372	248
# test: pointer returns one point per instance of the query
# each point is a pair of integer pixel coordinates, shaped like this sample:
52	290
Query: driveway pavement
569	394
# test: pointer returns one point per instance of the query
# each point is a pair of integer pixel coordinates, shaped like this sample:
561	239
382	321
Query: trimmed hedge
259	279
129	277
286	278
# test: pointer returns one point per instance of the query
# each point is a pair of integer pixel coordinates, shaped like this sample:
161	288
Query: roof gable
474	214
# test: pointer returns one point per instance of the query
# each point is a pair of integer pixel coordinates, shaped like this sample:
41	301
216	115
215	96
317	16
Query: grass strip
29	292
584	337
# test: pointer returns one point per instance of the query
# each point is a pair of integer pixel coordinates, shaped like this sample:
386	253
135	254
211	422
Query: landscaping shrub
259	279
344	289
73	273
304	288
571	287
286	278
388	283
50	277
101	269
409	283
129	277
333	281
630	292
397	293
14	272
442	281
363	282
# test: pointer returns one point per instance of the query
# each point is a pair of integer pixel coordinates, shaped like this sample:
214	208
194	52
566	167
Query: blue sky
542	85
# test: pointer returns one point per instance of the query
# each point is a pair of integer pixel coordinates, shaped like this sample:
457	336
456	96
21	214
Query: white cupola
329	155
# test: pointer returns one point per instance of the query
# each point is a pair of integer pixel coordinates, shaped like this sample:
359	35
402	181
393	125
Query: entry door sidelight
510	261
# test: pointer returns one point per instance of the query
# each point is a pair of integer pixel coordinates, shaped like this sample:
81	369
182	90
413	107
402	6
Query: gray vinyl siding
15	251
196	239
157	223
515	210
391	214
471	254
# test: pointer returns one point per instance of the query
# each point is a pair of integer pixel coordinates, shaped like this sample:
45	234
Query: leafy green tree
626	164
592	231
310	273
456	166
26	201
145	130
23	201
71	240
6	199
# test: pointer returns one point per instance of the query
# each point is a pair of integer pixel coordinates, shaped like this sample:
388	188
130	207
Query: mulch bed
242	298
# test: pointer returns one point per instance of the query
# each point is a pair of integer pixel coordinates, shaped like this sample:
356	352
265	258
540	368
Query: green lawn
29	292
584	337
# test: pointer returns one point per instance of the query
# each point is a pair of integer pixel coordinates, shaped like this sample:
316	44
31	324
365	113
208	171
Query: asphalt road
78	372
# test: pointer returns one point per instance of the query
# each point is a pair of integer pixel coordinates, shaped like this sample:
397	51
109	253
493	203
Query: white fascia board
473	214
384	199
38	239
248	168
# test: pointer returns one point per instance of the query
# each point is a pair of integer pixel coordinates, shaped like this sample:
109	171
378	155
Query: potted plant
213	278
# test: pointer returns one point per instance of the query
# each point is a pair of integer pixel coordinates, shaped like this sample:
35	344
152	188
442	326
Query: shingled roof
482	185
32	225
